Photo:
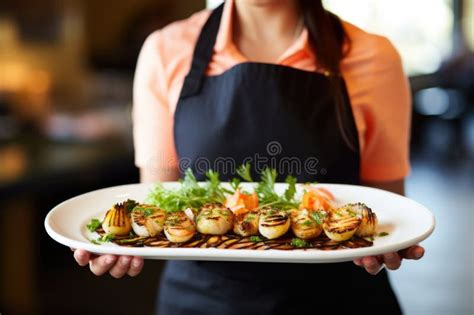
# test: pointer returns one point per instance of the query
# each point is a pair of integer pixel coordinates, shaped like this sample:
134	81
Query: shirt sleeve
152	119
385	155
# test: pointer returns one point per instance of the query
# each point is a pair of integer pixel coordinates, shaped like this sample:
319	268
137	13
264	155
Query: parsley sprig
190	194
267	195
93	225
298	242
193	195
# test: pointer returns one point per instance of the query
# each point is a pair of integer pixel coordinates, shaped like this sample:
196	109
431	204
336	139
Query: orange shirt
377	87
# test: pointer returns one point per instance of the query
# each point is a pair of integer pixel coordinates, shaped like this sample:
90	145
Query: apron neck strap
202	53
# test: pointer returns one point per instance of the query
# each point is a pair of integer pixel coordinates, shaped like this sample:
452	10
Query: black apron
245	114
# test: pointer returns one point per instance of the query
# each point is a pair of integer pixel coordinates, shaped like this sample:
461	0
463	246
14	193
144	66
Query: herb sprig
93	225
190	194
298	242
193	195
268	196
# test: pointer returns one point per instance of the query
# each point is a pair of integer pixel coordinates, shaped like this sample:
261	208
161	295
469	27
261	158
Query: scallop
341	224
214	219
246	223
304	225
179	228
147	220
273	223
117	221
368	225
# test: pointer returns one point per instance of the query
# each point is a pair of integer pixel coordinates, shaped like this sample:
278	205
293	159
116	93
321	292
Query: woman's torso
381	121
205	127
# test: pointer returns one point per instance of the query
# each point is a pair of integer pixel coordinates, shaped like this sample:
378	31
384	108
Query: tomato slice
250	201
317	200
240	200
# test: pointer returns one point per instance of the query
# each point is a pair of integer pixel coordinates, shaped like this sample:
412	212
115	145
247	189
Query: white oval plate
406	221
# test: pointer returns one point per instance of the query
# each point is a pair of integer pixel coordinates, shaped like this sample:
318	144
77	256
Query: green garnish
93	225
214	187
271	212
198	218
382	234
298	242
173	221
250	218
255	239
148	212
266	191
266	187
129	204
291	190
107	238
307	223
235	183
352	213
95	242
225	213
318	216
244	172
190	194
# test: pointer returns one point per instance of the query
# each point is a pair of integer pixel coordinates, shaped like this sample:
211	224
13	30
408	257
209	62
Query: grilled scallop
214	219
147	220
368	224
246	223
304	225
273	223
341	224
179	228
117	221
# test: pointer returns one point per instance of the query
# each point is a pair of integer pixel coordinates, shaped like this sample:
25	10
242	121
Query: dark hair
330	43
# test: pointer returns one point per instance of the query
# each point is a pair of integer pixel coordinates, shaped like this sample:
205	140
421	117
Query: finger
135	267
102	264
82	257
414	252
358	262
372	265
121	267
392	260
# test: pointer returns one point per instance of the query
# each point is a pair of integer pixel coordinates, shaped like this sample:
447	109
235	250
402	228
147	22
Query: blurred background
66	71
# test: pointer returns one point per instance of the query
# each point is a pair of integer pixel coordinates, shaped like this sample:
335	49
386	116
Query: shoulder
176	40
369	51
184	31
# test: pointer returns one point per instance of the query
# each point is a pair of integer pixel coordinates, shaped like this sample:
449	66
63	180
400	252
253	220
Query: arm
154	146
393	261
384	112
150	175
395	186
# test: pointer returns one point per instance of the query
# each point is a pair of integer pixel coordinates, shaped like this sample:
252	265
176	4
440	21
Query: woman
227	83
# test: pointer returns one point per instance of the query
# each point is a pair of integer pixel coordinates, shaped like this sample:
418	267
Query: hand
117	266
373	264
